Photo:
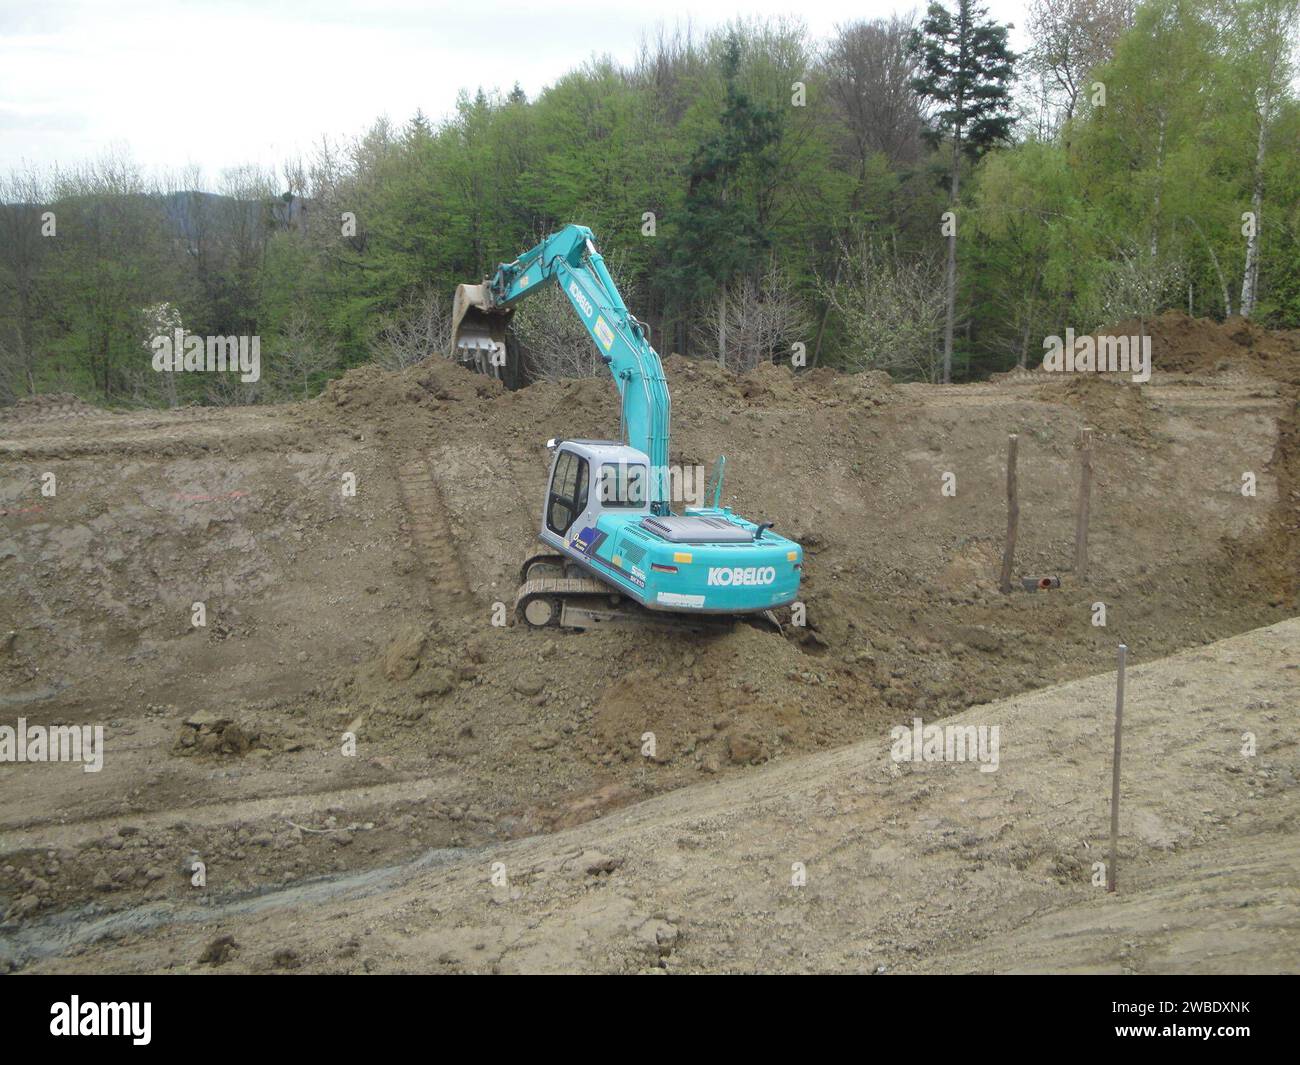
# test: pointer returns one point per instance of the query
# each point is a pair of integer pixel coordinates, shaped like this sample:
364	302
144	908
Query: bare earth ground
372	614
909	868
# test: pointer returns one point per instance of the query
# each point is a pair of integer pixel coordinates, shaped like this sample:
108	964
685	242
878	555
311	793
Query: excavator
617	553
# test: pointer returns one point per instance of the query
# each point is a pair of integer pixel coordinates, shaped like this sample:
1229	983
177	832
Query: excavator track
541	602
546	564
587	603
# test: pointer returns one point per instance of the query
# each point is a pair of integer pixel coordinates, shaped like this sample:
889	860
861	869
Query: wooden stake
1013	514
1114	772
1081	518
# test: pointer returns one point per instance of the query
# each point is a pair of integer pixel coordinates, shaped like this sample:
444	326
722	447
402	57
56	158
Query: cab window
568	495
622	484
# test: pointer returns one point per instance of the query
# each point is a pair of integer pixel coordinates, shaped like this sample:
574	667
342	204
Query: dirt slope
372	614
909	867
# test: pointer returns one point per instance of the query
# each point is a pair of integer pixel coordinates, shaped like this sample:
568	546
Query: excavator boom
570	259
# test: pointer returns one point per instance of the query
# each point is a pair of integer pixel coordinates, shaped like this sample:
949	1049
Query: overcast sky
222	83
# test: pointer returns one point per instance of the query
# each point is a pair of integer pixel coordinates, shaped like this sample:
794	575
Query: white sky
223	83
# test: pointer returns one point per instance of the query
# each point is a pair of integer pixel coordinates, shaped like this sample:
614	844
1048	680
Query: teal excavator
616	550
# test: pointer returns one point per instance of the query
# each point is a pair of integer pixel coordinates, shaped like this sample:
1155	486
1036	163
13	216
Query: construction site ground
499	810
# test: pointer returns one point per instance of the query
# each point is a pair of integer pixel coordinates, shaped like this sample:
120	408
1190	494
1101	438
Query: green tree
1261	38
1024	201
723	230
966	74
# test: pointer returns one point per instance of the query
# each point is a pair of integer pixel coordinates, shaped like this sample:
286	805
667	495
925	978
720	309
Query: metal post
1114	773
1013	516
1081	515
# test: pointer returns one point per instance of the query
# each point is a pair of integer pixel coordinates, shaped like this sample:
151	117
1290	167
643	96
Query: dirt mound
1200	349
1185	345
1113	406
48	406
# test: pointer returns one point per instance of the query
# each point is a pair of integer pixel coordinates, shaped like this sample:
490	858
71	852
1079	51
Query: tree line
907	195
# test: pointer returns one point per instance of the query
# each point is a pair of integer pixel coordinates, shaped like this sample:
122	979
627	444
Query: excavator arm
570	259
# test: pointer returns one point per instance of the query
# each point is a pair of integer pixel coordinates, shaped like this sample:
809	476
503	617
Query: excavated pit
371	615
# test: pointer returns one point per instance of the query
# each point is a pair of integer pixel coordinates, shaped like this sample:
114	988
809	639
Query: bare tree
892	309
869	70
556	344
417	330
755	321
1071	38
667	65
1137	283
299	353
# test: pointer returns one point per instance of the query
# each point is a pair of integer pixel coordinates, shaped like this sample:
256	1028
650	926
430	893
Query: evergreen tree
722	231
966	72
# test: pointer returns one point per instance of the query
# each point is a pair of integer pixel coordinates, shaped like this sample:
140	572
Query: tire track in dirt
431	530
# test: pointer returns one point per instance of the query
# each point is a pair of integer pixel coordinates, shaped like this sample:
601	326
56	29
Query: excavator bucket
478	332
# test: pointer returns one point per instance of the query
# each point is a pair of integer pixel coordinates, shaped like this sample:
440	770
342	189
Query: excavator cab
588	478
608	544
